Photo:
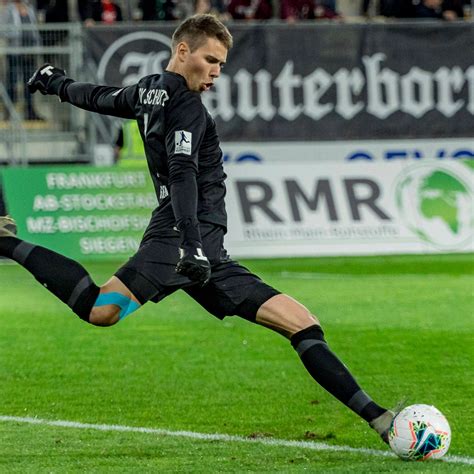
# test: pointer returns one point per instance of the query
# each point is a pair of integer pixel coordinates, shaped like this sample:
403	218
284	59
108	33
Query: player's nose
215	71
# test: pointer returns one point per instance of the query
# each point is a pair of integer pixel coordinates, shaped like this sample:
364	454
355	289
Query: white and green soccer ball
420	432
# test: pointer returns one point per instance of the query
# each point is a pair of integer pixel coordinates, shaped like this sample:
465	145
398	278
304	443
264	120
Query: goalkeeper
182	247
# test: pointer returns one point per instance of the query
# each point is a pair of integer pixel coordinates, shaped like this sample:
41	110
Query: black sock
331	373
65	278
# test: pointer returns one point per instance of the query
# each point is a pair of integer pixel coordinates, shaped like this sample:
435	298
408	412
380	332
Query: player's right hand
194	264
47	79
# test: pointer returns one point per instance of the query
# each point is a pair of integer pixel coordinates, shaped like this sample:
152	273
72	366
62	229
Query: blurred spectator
250	9
219	8
82	8
331	4
214	7
295	10
53	11
165	10
454	9
429	9
326	10
202	6
157	10
183	9
390	8
103	11
448	10
20	67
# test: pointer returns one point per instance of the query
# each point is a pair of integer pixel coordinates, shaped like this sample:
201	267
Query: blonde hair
197	29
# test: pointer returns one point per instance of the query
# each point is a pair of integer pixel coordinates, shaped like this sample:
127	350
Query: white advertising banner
311	209
445	149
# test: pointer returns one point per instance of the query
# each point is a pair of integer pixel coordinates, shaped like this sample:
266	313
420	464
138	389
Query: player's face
203	66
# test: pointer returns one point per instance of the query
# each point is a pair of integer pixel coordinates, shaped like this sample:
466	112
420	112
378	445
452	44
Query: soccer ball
419	432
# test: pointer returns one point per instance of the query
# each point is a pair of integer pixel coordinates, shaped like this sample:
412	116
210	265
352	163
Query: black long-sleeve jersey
181	143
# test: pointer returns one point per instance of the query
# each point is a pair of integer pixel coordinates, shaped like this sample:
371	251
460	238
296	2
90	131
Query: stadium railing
37	128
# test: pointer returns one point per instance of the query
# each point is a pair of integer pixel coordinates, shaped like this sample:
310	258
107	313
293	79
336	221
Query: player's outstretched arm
115	101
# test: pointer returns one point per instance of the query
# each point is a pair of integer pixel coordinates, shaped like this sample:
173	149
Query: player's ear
182	50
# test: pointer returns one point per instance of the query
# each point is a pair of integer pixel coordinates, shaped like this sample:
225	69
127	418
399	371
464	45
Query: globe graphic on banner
437	205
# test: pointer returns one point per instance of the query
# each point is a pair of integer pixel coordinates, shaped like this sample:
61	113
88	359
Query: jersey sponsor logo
153	96
183	142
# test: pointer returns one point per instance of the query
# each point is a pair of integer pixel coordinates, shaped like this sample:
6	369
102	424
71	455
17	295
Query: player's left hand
194	264
47	79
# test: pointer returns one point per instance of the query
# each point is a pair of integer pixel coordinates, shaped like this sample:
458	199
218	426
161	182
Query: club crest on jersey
183	142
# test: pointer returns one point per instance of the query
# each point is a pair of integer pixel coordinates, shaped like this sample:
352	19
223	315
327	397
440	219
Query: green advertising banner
84	212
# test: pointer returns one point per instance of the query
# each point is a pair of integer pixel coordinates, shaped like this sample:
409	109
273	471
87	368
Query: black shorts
232	290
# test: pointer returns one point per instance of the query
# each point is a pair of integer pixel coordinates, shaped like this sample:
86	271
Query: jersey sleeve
115	101
185	129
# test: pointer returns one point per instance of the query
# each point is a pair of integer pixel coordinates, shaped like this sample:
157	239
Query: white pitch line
218	437
350	276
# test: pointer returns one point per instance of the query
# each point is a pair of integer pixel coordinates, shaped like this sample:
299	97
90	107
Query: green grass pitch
403	324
